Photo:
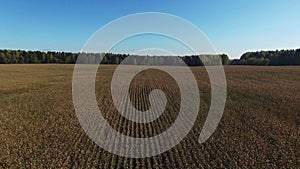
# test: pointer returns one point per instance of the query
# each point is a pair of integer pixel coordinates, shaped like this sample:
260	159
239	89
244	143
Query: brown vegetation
259	128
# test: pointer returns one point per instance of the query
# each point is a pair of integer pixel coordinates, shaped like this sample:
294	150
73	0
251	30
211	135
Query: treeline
34	57
21	56
273	58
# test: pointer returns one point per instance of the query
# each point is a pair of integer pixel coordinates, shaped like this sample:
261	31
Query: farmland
259	127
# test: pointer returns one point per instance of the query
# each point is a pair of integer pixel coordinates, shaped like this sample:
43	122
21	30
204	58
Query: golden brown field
260	126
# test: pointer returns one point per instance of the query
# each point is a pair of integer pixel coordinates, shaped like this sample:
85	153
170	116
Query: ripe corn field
259	128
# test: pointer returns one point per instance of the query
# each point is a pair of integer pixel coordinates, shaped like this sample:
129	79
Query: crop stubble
260	125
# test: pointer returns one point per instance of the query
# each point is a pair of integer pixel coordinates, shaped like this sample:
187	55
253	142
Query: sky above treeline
232	26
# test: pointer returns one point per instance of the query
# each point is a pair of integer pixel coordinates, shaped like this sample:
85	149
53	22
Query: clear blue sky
233	26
